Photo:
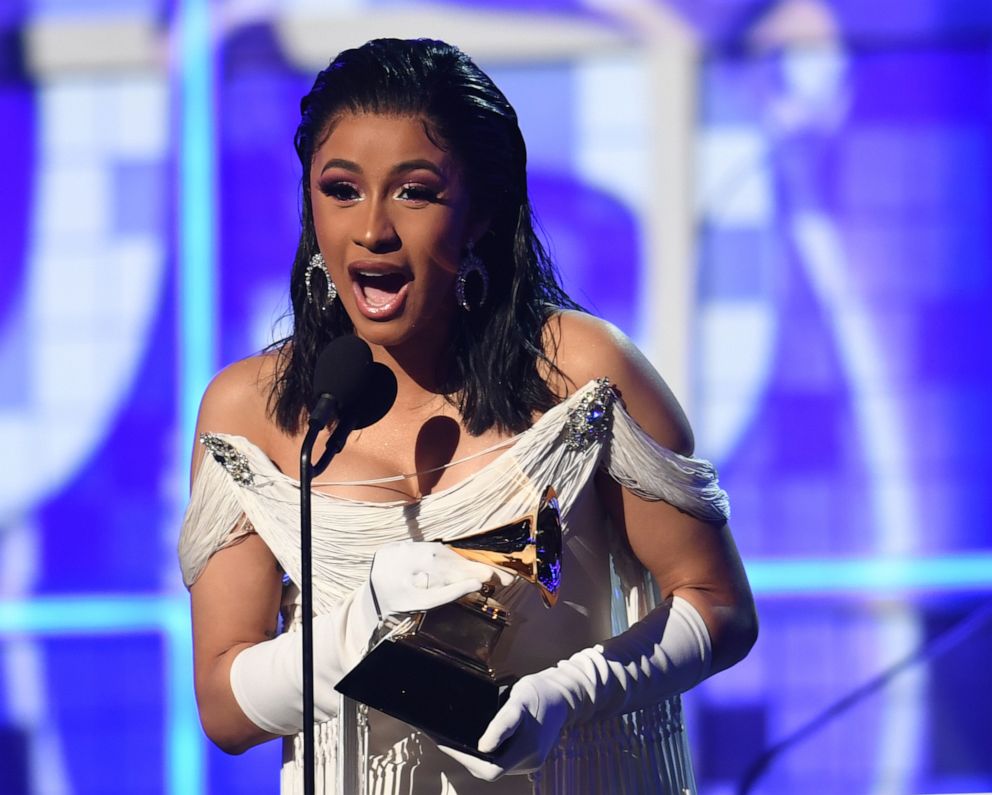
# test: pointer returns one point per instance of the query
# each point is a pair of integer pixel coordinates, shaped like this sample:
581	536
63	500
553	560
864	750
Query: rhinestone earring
317	263
471	264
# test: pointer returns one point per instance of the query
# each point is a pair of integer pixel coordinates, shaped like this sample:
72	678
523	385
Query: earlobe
477	229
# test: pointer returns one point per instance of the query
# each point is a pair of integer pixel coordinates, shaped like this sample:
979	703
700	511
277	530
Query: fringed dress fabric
604	589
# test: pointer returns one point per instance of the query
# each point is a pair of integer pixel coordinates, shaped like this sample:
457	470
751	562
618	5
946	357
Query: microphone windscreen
380	393
342	371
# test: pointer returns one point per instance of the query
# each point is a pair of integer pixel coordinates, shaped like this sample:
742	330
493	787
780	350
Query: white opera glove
666	652
267	678
418	575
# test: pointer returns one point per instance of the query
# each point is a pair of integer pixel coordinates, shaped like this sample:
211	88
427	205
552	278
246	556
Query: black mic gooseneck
306	598
355	391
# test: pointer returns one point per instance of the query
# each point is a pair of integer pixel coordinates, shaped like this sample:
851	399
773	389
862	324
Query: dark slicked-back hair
493	375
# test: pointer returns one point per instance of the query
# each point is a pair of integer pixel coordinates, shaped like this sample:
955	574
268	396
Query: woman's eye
417	193
341	191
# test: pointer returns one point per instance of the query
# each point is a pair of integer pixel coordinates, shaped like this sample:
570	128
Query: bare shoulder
585	347
236	402
236	399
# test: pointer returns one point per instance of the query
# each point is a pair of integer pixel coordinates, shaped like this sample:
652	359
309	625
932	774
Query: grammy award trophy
433	668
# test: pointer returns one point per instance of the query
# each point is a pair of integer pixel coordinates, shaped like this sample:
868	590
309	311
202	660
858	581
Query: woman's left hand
524	730
666	652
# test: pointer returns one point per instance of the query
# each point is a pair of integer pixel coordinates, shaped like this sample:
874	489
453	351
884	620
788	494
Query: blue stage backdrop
839	331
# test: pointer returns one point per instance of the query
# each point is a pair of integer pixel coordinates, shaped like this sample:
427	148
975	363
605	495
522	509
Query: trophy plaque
433	668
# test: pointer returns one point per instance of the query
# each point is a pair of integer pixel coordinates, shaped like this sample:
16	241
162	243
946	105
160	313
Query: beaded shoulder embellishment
234	461
589	421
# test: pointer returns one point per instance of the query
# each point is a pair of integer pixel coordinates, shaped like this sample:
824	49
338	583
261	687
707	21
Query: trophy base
449	701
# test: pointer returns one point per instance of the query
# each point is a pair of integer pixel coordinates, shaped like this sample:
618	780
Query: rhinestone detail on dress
235	462
589	421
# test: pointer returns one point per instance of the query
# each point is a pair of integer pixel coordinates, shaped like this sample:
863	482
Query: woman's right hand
418	575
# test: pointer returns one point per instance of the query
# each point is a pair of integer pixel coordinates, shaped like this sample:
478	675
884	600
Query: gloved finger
434	597
421	579
502	726
479	768
449	563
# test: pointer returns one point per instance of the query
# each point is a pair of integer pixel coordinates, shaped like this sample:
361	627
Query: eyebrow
337	162
399	168
413	165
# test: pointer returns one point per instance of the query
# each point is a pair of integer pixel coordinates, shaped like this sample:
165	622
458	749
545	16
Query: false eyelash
419	193
341	191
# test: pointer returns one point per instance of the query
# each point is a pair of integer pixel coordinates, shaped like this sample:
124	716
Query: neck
420	366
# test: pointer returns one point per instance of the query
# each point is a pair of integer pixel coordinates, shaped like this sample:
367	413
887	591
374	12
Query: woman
417	237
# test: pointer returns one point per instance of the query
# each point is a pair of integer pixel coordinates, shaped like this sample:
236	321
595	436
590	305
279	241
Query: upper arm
687	556
234	604
235	600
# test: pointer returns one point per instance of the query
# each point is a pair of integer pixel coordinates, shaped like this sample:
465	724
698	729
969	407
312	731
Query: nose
376	232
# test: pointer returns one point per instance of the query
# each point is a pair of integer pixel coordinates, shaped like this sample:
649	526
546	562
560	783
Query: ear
477	227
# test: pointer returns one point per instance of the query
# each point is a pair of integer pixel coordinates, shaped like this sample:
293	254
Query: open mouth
379	289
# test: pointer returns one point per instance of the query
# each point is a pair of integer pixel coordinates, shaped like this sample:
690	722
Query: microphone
348	387
339	378
380	394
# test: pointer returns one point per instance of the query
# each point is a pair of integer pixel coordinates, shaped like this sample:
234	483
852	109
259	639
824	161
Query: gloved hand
418	575
267	678
665	653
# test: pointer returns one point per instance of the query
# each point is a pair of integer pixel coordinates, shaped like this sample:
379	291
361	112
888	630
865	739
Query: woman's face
391	213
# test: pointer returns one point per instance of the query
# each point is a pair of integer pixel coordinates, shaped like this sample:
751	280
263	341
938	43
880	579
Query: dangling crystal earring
317	263
471	263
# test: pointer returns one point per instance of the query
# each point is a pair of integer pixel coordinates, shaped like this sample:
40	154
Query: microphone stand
318	421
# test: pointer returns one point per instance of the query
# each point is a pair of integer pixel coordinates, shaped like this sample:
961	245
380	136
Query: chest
405	456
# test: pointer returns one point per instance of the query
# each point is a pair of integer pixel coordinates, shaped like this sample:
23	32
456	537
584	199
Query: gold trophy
433	668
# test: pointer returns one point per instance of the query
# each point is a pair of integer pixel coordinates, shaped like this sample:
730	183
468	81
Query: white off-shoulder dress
603	590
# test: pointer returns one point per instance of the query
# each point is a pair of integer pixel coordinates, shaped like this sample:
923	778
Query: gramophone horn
529	546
